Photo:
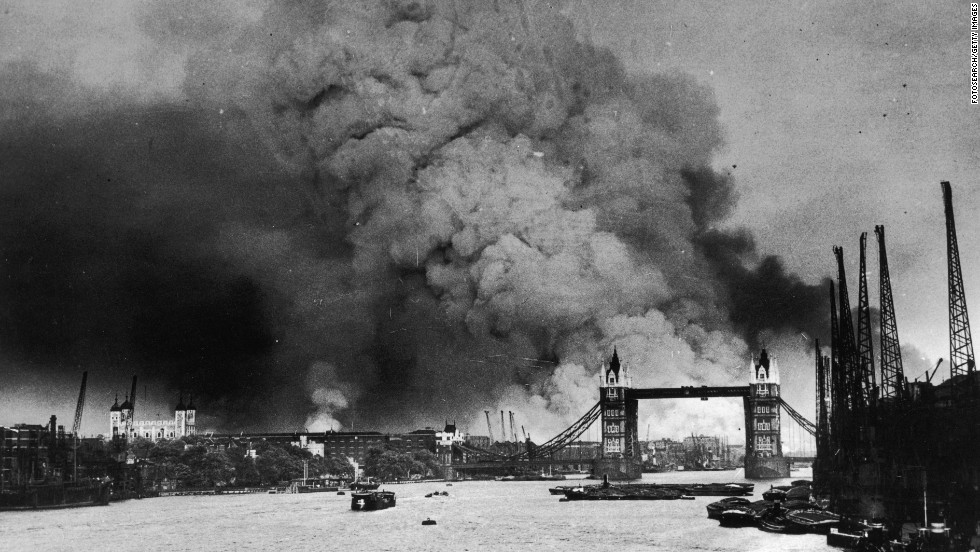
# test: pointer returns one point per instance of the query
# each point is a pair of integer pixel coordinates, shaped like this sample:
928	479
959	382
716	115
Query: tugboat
372	500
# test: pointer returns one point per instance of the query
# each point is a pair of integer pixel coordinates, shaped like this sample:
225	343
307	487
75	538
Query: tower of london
122	424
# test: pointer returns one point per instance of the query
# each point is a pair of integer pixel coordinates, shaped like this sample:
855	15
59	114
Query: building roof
115	406
126	405
614	363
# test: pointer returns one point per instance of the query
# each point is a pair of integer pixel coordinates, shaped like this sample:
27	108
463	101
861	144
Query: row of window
617	427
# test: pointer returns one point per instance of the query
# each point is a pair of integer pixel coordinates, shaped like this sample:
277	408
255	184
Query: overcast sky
836	116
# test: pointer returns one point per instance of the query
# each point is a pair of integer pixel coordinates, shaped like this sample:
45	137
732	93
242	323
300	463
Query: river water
476	516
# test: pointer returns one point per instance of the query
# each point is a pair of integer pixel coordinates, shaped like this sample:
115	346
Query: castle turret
180	418
115	419
189	418
126	410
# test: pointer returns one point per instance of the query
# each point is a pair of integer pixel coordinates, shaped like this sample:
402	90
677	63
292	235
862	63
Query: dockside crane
960	342
848	349
80	406
866	355
823	435
838	398
489	427
892	376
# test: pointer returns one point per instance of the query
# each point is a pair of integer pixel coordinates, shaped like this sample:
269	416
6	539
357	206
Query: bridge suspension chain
804	423
575	431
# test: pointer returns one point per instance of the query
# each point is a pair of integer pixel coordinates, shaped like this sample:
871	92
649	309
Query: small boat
737	515
813	520
428	521
372	500
743	514
716	508
428	495
776	493
774	521
341	493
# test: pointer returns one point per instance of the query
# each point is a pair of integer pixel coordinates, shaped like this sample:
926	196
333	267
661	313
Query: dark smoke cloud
455	206
515	203
106	237
761	297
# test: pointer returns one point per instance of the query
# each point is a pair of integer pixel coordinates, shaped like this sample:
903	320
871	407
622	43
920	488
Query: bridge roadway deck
541	462
704	392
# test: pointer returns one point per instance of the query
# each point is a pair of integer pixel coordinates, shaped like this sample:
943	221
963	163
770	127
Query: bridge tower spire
620	434
764	449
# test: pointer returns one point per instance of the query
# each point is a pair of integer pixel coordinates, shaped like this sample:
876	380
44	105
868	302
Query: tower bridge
618	456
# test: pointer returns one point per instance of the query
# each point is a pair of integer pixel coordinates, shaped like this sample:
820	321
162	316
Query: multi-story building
122	424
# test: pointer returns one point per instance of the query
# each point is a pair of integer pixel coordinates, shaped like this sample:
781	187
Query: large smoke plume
515	205
471	207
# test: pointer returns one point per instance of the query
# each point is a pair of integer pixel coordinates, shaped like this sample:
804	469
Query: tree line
193	462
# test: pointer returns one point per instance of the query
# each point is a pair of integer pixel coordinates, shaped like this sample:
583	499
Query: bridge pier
617	469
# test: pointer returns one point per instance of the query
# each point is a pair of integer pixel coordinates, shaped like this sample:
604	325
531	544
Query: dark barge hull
372	500
54	496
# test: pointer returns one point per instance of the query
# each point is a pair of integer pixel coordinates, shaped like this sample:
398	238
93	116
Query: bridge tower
763	447
620	458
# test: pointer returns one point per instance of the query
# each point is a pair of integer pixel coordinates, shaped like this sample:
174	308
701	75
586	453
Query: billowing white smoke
512	199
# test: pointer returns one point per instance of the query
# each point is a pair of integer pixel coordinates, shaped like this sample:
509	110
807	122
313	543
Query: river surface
476	516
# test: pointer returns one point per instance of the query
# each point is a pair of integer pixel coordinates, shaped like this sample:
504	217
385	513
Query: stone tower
764	449
180	418
620	448
115	420
190	422
126	412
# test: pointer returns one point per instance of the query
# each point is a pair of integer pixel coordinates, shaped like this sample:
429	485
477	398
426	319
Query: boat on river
372	500
813	520
628	492
716	508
